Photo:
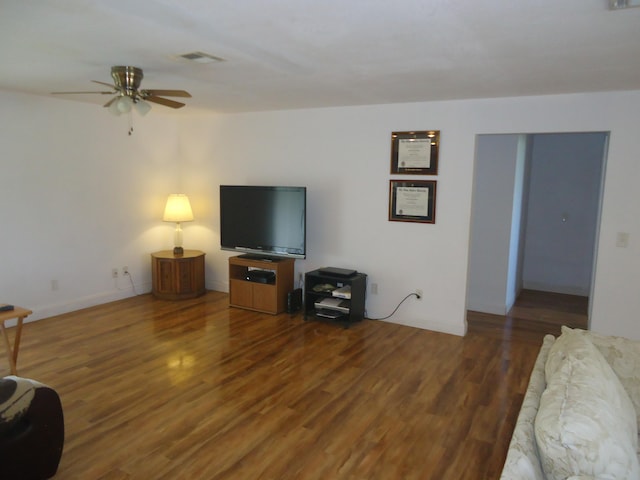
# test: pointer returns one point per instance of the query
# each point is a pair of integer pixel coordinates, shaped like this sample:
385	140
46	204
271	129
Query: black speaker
294	300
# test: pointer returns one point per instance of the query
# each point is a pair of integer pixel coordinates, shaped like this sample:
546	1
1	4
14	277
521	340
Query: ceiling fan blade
110	102
74	93
164	101
107	84
166	93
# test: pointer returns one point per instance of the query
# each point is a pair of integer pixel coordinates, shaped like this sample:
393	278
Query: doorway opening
535	222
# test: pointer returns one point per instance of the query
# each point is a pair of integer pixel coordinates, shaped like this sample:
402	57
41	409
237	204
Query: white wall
518	215
493	257
341	154
566	171
79	196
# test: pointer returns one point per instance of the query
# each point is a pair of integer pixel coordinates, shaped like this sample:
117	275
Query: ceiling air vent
201	57
620	4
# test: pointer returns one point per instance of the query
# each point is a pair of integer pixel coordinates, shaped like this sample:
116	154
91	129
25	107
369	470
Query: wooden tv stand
260	297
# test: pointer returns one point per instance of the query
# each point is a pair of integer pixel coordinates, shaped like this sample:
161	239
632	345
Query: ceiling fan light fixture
124	104
120	105
142	107
113	107
129	96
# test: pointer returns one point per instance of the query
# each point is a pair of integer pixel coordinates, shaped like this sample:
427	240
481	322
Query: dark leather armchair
31	429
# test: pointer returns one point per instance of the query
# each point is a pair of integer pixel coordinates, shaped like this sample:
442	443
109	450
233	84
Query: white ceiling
287	54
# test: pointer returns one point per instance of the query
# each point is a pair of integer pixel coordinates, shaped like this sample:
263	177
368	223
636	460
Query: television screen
268	221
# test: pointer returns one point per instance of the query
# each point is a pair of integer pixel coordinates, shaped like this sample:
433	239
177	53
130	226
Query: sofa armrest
523	461
16	395
34	443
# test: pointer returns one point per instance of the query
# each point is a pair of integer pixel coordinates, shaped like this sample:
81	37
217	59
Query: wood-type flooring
193	389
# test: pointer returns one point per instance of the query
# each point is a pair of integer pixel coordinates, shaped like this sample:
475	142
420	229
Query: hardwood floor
155	389
534	315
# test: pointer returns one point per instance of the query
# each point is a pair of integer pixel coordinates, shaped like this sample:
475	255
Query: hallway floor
534	315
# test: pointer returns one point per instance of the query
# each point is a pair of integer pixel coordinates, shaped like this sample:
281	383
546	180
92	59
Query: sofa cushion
623	355
586	423
579	343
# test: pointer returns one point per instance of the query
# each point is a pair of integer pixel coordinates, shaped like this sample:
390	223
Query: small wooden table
176	277
19	313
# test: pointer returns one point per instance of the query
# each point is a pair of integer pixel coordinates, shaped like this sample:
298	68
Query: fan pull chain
130	123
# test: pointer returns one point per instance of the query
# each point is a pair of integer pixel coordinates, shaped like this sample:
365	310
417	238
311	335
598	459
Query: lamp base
178	251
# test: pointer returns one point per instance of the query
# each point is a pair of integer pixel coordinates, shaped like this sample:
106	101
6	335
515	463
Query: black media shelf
319	285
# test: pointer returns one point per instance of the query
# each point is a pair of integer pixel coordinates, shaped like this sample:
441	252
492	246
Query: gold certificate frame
415	153
412	201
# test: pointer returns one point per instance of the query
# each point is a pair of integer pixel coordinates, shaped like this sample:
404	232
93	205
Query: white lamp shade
178	209
113	108
121	105
142	107
124	104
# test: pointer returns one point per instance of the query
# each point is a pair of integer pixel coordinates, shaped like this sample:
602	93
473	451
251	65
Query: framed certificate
412	201
415	153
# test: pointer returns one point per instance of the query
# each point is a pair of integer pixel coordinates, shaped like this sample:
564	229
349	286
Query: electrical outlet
114	272
622	240
418	294
125	270
374	289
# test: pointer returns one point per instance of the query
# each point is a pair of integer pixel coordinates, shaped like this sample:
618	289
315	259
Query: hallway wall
566	171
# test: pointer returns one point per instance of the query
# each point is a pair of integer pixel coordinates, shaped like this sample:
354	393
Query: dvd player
338	272
261	276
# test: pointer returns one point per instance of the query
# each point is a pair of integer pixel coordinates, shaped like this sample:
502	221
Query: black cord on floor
133	287
396	309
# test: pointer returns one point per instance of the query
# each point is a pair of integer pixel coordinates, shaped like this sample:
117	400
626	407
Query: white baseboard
459	330
51	310
218	286
566	290
484	307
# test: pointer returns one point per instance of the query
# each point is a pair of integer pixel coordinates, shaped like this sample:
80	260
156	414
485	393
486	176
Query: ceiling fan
128	95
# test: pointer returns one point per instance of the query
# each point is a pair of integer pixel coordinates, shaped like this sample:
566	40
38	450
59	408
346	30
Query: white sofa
580	414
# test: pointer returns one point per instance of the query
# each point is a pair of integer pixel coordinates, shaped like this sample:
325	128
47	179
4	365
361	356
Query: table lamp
178	209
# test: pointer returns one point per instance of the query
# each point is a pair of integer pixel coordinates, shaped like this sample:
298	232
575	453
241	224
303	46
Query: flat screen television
265	221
